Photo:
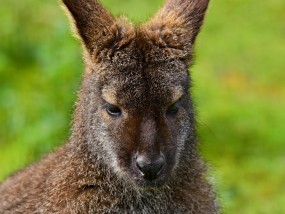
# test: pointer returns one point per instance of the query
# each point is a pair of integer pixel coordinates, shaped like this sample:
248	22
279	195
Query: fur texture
143	72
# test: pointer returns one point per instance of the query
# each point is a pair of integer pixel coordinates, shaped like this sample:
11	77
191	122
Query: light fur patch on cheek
181	140
100	140
107	144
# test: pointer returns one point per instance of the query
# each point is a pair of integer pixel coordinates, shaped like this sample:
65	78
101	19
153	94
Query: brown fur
143	71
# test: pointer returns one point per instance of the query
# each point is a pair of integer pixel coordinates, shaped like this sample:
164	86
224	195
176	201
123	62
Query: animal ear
176	26
97	28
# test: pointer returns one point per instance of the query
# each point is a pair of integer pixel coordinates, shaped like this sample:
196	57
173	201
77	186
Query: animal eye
173	109
113	110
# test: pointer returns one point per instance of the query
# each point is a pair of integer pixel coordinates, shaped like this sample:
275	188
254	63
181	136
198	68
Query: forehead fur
136	70
128	44
143	85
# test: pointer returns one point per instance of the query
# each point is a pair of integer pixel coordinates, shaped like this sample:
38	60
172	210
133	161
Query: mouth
145	184
150	181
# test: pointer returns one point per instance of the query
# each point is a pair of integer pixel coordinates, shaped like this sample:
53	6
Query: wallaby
133	147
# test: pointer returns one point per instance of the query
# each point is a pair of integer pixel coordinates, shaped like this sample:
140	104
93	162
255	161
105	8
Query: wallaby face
137	110
141	117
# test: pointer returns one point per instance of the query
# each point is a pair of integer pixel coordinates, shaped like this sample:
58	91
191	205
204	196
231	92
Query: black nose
150	168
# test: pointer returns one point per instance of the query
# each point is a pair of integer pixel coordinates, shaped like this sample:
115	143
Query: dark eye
173	109
113	110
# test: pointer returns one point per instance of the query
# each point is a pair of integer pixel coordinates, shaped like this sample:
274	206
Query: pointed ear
176	26
97	28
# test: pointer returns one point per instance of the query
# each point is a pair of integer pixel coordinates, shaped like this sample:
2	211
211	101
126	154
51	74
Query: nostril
150	169
142	163
160	162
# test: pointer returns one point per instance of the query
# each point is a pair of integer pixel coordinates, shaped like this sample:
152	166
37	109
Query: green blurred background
239	89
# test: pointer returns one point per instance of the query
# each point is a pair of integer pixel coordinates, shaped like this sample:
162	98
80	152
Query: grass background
239	90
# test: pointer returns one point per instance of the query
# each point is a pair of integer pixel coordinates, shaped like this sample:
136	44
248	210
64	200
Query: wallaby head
134	110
